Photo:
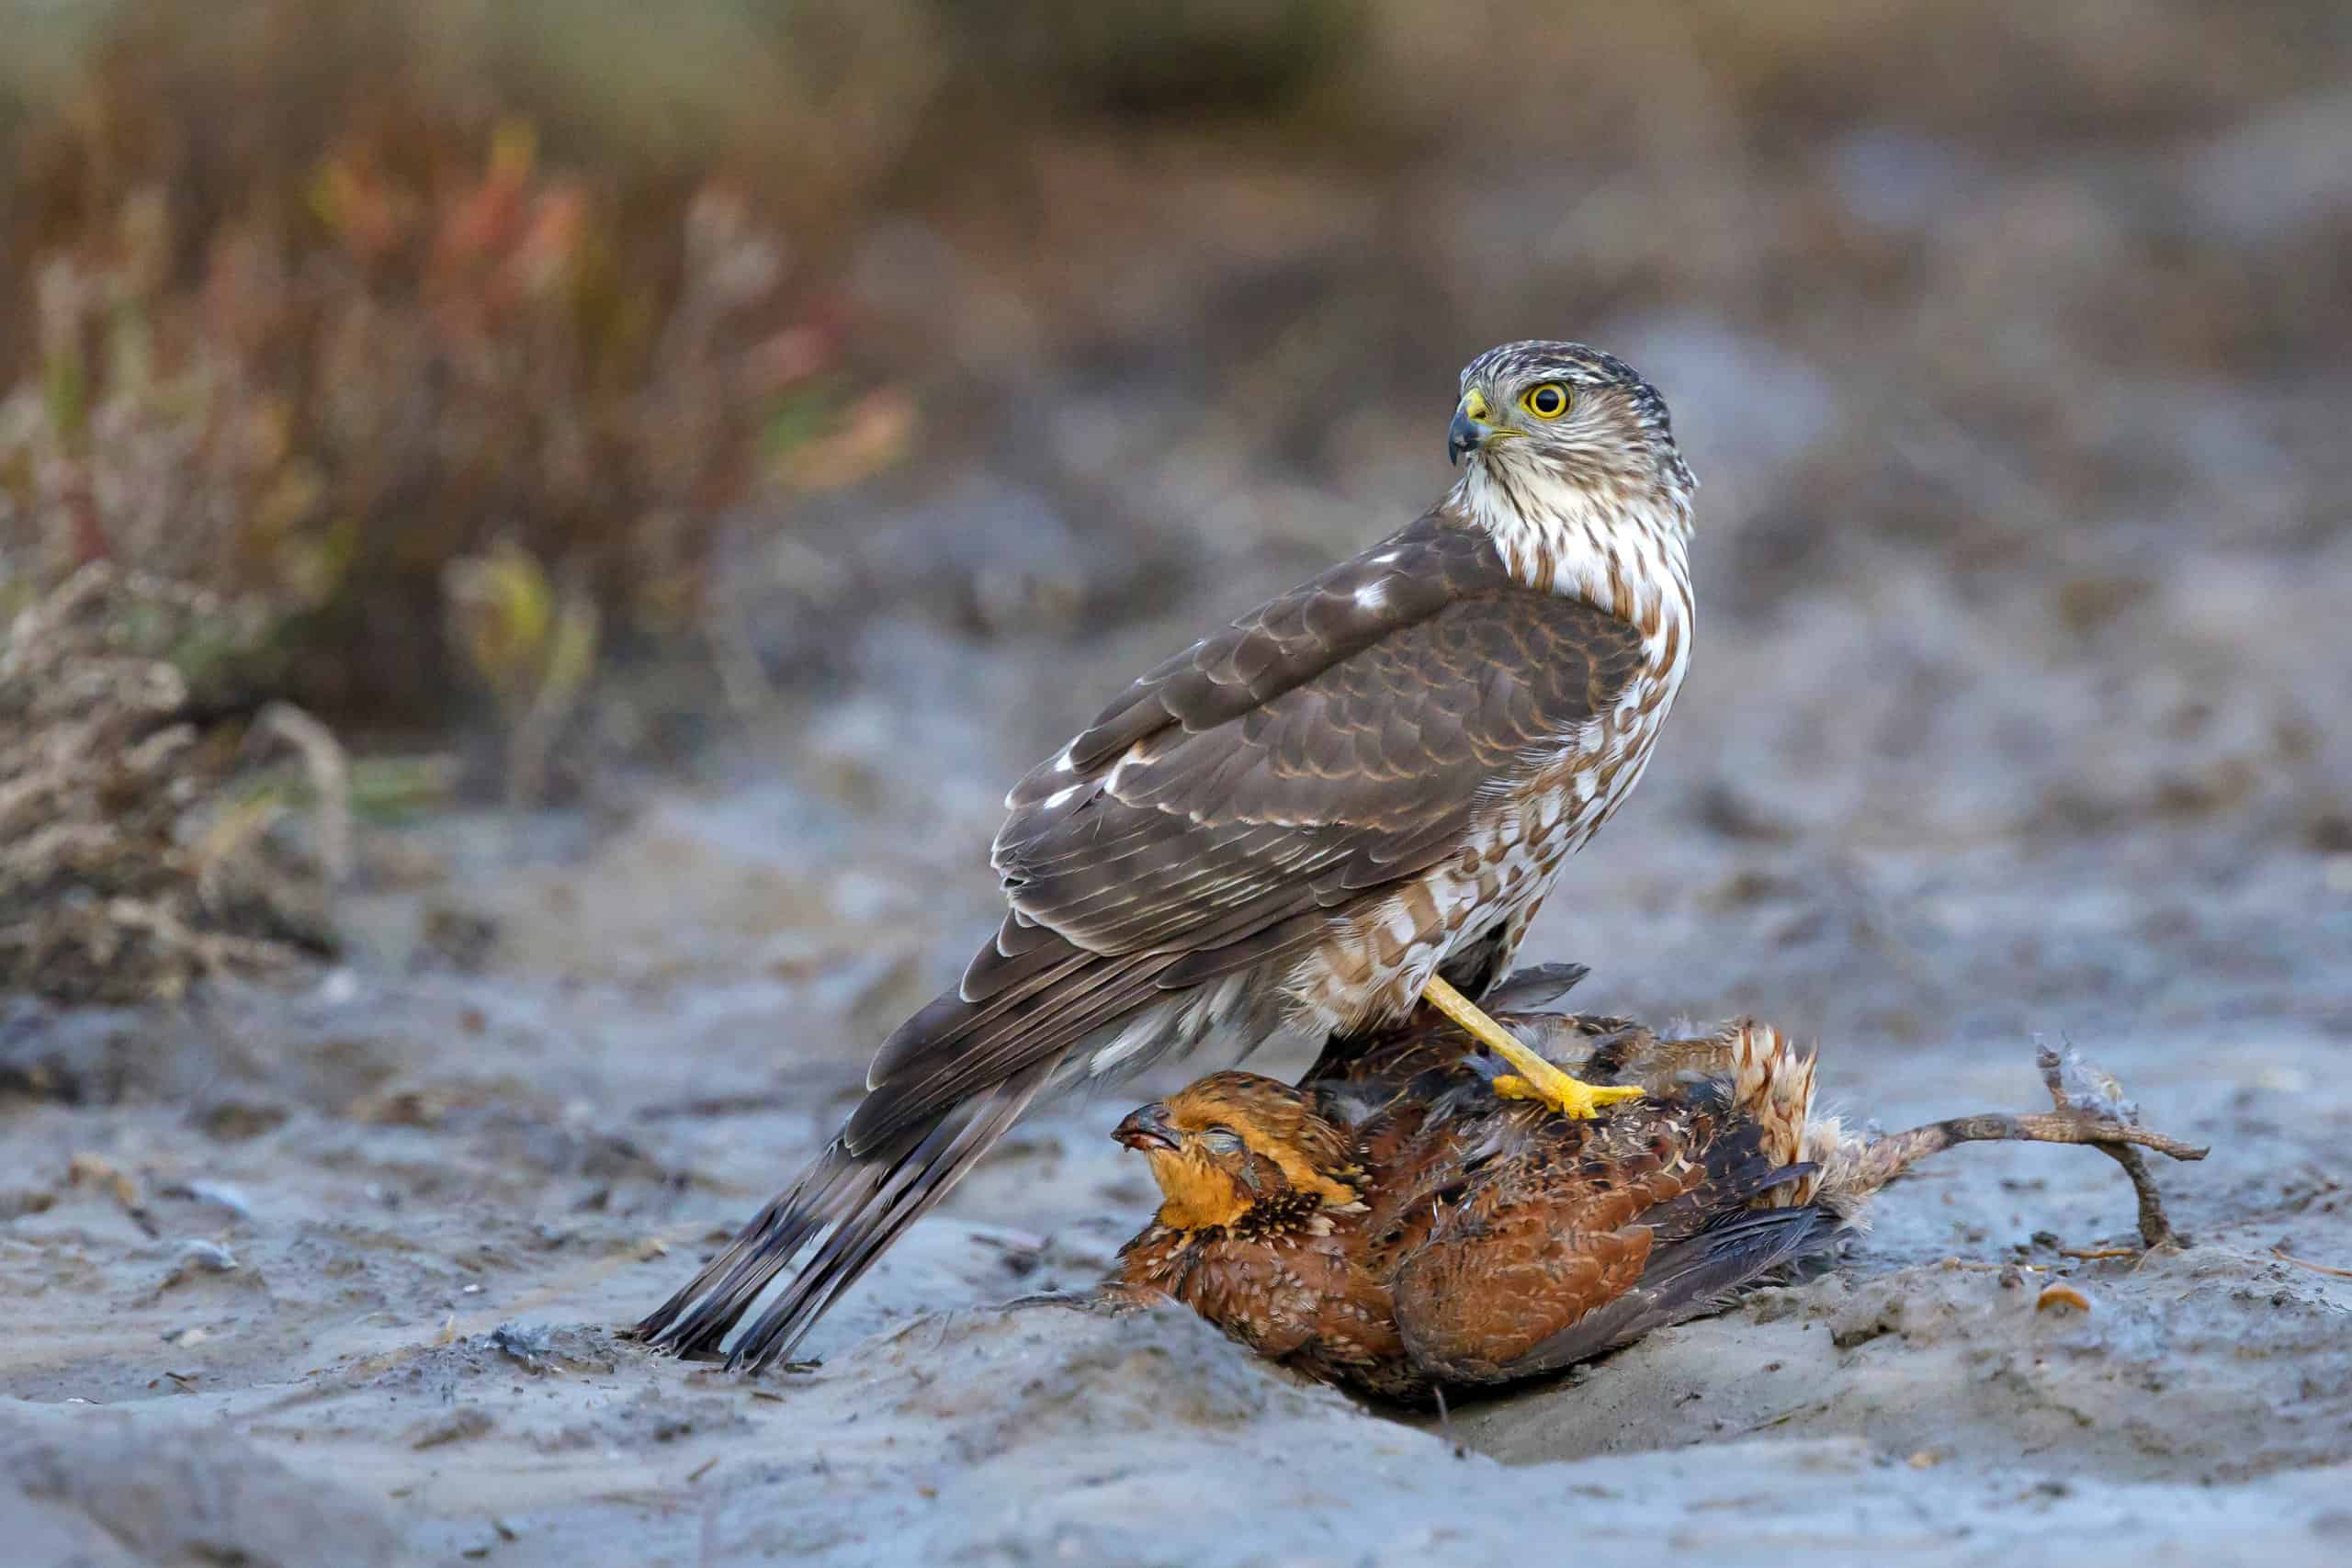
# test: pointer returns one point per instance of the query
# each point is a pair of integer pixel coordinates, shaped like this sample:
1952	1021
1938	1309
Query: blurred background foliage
562	369
327	304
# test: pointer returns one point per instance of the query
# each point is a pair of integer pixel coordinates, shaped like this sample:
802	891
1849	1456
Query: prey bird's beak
1147	1128
1469	429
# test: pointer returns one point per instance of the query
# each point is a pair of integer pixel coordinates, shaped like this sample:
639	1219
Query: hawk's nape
1291	827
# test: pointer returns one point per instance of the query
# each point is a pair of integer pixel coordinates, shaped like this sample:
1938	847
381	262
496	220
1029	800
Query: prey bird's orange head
1235	1144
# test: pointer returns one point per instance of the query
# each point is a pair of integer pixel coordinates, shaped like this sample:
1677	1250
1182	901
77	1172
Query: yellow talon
1536	1079
1568	1096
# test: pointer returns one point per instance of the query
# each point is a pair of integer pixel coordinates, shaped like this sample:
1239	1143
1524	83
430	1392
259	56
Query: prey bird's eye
1546	400
1221	1141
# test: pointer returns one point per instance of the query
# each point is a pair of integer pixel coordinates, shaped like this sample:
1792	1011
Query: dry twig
2089	1109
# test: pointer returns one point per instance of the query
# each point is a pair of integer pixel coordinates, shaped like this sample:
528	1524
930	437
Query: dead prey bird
1354	797
1390	1225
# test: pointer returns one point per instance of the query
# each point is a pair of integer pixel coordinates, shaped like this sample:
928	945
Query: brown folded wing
1338	741
1570	1241
1328	746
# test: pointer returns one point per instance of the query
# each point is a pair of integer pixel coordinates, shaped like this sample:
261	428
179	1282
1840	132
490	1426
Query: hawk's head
1538	416
1236	1147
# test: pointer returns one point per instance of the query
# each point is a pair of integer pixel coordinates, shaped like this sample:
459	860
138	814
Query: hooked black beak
1464	435
1147	1128
1472	427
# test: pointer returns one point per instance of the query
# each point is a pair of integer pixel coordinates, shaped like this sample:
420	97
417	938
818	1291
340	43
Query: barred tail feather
911	1189
858	1205
700	1315
946	1085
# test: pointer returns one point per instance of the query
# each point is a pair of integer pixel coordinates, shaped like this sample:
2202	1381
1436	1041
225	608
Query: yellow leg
1536	1079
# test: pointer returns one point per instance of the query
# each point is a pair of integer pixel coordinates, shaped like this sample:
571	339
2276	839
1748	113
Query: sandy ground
376	1303
342	1264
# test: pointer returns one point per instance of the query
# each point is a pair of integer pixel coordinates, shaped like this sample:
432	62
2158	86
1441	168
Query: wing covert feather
1340	738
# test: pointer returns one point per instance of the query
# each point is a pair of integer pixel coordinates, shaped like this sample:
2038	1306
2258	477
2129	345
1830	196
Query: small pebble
223	1195
208	1256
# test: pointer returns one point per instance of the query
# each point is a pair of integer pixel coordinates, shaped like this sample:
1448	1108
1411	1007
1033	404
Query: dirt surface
348	1260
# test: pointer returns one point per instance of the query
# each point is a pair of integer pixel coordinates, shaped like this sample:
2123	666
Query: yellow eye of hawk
1548	399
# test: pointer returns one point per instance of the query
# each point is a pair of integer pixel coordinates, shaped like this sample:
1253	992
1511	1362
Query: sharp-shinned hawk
1353	798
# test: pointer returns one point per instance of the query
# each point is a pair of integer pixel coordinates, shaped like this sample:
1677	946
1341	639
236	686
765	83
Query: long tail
859	1204
943	1088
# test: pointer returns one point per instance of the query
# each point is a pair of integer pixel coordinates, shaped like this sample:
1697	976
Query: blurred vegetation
443	326
139	842
305	314
449	333
458	353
